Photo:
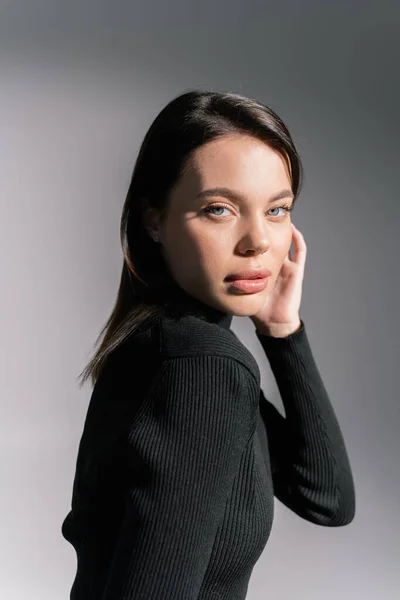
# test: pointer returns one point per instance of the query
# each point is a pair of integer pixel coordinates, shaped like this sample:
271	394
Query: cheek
205	244
286	251
209	253
194	251
284	245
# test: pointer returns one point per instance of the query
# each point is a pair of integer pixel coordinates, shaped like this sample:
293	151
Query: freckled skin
202	249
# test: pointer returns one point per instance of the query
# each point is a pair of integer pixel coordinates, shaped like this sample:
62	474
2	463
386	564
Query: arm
185	448
311	471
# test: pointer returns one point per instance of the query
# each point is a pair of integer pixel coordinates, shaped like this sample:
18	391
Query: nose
256	241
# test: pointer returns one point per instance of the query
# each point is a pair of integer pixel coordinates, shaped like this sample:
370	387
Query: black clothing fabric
181	456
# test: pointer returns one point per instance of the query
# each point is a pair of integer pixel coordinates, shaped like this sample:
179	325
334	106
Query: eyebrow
233	195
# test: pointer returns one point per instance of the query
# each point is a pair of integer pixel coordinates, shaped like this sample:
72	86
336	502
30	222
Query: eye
287	208
209	209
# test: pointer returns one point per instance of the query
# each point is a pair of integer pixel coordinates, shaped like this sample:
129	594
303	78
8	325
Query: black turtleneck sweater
181	456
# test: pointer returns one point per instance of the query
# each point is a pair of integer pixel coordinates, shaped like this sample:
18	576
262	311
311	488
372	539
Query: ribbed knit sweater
181	456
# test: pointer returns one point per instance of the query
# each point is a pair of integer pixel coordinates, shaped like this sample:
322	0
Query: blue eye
212	207
286	208
208	209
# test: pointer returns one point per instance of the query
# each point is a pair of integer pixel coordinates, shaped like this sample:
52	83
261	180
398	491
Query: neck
179	303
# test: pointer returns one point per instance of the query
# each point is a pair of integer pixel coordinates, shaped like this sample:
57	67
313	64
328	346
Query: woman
181	454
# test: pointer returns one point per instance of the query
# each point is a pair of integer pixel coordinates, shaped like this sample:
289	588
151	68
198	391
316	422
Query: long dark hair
186	123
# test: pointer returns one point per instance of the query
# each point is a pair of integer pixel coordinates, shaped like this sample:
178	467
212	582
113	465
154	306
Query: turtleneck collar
180	302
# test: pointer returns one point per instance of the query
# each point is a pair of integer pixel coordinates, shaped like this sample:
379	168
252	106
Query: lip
249	274
249	286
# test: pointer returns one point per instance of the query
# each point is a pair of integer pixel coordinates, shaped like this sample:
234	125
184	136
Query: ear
150	217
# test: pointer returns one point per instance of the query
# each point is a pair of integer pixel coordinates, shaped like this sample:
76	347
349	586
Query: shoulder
194	337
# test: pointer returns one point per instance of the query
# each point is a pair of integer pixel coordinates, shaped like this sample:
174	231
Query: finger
300	248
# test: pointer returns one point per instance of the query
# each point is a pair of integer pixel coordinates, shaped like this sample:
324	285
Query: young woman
181	454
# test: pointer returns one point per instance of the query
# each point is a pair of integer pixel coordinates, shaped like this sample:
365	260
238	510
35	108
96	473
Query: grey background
80	84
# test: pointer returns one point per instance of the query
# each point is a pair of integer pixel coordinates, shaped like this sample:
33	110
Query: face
205	238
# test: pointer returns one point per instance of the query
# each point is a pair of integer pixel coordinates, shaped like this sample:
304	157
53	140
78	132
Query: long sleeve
184	450
311	471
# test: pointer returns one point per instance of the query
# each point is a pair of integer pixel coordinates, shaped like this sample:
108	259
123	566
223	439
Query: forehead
241	162
239	149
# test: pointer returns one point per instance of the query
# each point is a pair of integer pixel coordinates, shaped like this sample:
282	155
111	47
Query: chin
246	305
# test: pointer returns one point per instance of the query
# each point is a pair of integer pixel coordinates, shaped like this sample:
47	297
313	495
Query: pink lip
249	286
250	274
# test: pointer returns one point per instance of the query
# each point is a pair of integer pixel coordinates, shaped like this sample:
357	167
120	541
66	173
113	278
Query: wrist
279	331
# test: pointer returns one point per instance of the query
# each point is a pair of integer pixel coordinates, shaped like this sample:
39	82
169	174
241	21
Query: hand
279	315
